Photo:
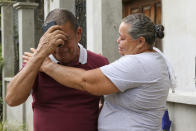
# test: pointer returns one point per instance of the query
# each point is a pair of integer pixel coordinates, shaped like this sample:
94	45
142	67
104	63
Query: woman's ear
141	44
79	34
142	40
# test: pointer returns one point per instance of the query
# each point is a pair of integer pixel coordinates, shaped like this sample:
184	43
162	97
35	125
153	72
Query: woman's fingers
28	55
33	50
25	57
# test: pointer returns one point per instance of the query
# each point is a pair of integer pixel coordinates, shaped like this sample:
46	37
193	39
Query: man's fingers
53	38
59	42
57	30
53	28
63	35
57	38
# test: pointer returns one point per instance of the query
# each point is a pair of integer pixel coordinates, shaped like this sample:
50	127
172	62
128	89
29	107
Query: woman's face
126	44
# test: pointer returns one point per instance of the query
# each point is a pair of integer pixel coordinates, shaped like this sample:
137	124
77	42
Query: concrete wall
94	25
179	42
183	116
103	20
111	19
179	46
52	4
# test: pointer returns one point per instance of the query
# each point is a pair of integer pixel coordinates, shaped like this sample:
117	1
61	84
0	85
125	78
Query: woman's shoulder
149	58
147	64
133	60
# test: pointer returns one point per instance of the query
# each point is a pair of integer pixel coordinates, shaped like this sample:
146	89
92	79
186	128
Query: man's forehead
67	27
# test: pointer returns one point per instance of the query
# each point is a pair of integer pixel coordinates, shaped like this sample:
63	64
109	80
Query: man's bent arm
21	85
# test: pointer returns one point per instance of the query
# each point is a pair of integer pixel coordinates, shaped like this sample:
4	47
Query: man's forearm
21	85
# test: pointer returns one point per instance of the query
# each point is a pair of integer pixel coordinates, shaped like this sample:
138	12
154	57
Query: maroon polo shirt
59	108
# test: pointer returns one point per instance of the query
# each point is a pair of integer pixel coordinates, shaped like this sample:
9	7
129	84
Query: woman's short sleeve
125	73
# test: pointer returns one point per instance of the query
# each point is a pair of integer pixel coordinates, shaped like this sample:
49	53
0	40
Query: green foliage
1	100
14	126
5	1
1	59
1	127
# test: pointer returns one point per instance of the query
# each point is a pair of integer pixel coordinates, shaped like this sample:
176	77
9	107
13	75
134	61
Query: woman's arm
92	81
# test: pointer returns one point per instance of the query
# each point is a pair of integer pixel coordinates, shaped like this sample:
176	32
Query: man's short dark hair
61	16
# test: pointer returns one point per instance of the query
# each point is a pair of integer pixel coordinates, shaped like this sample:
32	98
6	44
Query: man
55	107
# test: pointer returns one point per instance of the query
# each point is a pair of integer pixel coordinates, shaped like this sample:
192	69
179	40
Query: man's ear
79	34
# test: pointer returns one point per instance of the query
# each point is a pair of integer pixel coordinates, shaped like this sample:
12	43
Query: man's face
69	52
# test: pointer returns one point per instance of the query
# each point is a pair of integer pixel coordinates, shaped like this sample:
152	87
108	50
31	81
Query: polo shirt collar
82	57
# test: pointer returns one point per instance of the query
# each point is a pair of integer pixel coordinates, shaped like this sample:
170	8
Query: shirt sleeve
125	73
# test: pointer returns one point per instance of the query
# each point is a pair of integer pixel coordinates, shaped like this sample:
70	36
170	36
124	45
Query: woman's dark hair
142	26
61	16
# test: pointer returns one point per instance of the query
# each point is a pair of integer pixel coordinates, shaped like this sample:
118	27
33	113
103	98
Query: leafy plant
6	0
14	126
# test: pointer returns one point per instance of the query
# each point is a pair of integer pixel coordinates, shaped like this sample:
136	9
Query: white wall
52	4
103	20
94	25
179	43
183	117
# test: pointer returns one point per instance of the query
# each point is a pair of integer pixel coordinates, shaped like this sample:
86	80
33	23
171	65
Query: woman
135	86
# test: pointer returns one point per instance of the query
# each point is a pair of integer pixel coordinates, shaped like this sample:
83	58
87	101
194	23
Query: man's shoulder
95	55
97	59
